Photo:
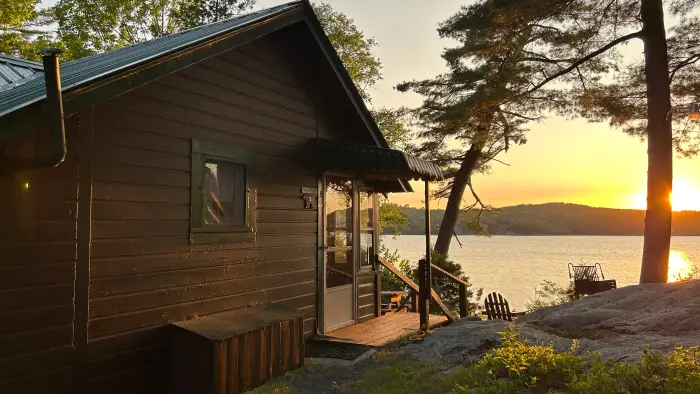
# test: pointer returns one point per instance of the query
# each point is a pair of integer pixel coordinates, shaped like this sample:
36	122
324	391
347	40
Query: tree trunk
447	227
657	224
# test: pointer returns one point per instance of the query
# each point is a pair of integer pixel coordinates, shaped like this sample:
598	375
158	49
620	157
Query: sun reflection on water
680	267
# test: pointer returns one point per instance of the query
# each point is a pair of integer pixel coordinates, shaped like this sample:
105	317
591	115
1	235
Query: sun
685	197
680	267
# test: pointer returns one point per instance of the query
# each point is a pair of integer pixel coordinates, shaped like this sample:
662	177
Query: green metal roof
88	69
372	161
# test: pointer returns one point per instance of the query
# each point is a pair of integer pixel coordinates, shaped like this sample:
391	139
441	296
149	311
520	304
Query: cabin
219	168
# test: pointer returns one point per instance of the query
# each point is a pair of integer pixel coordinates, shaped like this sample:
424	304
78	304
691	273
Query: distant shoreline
556	219
548	235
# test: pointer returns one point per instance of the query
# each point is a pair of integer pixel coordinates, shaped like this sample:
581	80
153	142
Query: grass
392	373
282	385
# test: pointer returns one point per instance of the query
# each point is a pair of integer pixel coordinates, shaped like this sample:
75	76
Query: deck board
382	330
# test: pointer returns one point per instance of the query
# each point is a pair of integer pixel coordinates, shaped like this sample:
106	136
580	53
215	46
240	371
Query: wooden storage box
234	351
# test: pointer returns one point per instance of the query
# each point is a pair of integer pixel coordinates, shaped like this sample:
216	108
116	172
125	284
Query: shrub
549	294
518	367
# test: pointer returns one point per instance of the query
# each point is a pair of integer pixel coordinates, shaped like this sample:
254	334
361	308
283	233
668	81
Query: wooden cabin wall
144	271
38	225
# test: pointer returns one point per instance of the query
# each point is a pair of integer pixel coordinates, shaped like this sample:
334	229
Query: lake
515	265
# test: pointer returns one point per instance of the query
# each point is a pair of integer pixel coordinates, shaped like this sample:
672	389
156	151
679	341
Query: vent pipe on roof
54	106
54	114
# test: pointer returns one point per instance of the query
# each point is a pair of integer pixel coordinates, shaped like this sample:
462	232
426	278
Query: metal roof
30	89
15	71
333	155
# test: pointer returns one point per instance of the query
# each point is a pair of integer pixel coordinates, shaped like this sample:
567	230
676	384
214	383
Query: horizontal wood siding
38	212
144	271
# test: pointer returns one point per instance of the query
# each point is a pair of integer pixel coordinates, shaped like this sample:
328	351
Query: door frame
322	326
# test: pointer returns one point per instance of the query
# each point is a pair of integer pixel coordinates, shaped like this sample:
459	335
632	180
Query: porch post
425	273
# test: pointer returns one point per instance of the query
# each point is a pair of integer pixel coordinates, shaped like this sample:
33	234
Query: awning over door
372	162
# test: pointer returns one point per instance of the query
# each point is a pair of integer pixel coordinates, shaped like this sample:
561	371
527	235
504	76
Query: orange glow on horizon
685	197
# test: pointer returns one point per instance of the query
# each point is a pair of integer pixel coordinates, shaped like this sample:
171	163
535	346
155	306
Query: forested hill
558	219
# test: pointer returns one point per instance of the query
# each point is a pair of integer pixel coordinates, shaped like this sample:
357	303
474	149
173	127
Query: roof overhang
380	166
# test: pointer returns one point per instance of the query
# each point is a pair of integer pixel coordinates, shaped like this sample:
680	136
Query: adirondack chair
497	307
589	279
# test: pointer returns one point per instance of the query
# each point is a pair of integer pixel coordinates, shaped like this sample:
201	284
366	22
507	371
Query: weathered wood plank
174	278
140	228
166	262
124	173
216	91
109	191
154	305
141	157
21	276
114	210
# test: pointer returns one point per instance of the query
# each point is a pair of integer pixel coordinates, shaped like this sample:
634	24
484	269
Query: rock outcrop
619	324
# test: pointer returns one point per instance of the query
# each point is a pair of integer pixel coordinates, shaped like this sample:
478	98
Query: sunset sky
563	161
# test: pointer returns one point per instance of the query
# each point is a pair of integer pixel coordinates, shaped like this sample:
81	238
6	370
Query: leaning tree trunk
657	224
449	221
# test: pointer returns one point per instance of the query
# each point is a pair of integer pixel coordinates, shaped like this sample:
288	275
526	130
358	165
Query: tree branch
586	58
690	60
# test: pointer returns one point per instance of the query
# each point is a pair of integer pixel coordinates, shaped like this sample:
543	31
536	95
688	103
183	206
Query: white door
339	256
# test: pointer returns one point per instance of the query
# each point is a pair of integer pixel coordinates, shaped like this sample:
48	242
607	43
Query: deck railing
463	309
414	290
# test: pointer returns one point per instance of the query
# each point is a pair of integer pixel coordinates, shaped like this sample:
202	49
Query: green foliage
353	48
192	13
393	124
449	289
518	367
93	26
24	29
549	294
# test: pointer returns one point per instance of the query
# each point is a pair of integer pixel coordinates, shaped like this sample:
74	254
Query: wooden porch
382	330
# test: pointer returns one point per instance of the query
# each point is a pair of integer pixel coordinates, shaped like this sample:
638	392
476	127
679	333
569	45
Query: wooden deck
381	330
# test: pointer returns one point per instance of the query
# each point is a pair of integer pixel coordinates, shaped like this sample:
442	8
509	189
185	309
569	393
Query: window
223	200
367	228
224	193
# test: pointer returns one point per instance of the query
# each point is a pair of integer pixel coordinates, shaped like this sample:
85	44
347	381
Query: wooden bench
235	351
394	298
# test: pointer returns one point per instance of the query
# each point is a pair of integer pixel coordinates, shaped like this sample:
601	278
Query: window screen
224	200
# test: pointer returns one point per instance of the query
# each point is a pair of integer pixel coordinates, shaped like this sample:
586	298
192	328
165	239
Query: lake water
515	265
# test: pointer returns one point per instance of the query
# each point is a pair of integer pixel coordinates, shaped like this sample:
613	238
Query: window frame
364	268
203	151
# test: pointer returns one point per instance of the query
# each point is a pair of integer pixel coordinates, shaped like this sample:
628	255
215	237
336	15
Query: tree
353	48
478	108
639	100
93	26
24	29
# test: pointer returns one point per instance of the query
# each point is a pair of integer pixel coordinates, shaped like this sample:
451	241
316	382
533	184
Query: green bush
518	367
549	294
